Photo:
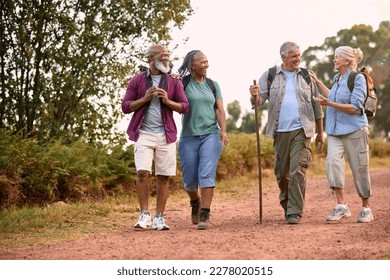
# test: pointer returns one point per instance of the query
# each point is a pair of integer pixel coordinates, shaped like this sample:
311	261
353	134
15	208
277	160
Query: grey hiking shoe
293	219
204	220
338	212
365	215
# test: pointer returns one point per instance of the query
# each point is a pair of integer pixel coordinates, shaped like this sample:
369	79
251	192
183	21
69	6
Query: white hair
355	56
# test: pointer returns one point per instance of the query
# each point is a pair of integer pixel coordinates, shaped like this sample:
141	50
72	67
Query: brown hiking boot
195	205
204	220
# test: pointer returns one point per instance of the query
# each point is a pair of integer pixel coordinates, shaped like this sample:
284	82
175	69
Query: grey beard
161	67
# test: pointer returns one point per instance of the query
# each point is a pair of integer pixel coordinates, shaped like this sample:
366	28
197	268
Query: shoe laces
144	215
160	220
336	210
364	212
204	216
159	216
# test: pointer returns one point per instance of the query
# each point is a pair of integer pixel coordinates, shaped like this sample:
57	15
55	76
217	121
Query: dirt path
237	234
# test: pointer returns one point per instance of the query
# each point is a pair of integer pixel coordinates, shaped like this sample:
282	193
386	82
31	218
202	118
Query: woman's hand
175	76
223	137
322	100
313	75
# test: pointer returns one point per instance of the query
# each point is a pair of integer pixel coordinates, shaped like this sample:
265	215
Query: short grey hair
288	47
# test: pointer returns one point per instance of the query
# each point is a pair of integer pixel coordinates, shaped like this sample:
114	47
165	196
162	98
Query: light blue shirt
338	122
309	110
289	113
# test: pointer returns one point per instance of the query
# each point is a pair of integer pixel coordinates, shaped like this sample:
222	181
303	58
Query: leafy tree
376	50
234	112
248	124
63	61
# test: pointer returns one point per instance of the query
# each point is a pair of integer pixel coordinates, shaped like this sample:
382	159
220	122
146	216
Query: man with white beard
152	96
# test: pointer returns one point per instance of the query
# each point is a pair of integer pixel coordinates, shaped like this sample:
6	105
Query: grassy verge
35	225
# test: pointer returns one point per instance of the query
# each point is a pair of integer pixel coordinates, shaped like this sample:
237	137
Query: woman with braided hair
202	136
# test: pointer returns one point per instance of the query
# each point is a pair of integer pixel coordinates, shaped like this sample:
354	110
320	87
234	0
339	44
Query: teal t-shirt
201	118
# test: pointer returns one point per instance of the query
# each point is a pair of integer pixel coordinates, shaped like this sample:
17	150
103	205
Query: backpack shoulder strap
211	85
164	81
351	80
185	80
148	79
271	76
306	75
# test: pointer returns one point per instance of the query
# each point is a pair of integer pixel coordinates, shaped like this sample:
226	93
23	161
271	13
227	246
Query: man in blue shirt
292	119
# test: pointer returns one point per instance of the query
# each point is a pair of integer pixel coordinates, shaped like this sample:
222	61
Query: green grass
36	225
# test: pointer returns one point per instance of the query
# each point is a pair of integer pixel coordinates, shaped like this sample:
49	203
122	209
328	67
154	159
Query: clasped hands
156	91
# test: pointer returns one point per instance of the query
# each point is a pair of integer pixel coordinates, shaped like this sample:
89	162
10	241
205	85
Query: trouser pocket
305	157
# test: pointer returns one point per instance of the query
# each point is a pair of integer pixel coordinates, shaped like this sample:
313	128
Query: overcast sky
241	38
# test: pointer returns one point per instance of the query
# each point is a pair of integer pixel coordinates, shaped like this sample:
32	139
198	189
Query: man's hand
149	93
254	91
320	141
161	93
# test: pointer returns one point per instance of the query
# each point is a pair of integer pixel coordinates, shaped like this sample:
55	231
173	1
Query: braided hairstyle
185	68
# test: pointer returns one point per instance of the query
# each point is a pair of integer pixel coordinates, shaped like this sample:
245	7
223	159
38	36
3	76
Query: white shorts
153	146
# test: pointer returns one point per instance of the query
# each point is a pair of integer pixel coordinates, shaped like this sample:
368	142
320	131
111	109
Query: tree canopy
62	61
376	51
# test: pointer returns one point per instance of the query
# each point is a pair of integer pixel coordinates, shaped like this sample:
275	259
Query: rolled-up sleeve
128	98
181	97
359	92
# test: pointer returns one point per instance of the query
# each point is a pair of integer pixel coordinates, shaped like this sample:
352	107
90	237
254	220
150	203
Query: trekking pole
258	159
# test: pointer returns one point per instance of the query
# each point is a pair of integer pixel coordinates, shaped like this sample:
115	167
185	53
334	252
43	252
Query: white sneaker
365	215
338	212
159	223
144	220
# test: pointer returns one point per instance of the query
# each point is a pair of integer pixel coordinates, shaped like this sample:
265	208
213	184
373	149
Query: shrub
38	174
240	155
32	173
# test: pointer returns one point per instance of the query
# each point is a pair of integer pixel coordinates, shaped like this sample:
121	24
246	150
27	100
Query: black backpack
186	79
371	101
272	74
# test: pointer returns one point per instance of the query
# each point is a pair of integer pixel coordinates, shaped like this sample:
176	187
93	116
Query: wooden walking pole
258	159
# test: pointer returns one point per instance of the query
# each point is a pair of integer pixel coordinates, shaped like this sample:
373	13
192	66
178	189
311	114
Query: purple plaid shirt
136	89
